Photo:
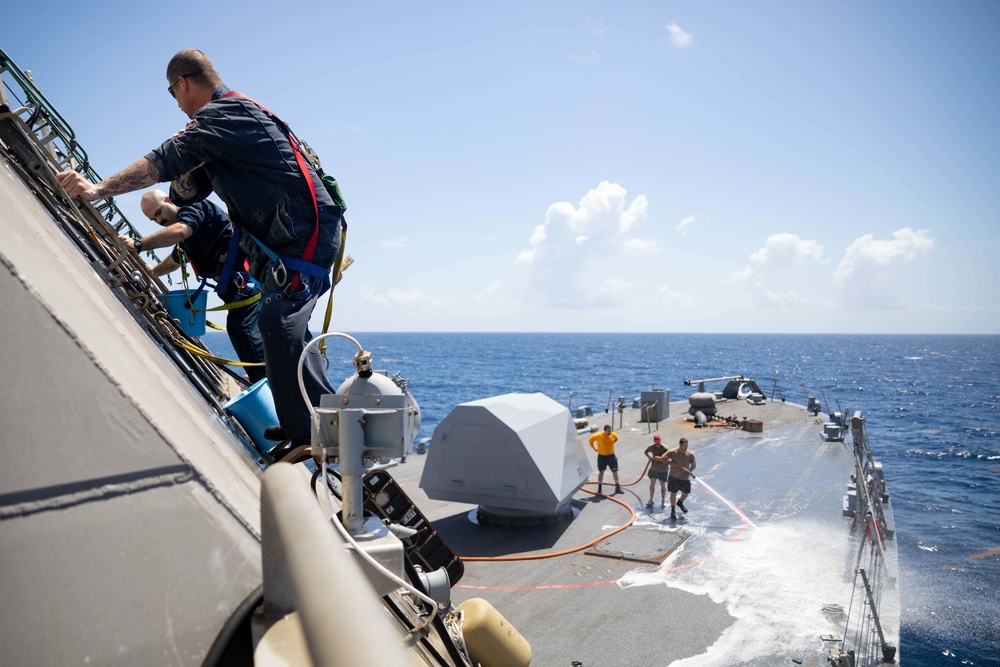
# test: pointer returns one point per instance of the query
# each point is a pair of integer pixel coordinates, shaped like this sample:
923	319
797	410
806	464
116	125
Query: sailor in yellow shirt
606	458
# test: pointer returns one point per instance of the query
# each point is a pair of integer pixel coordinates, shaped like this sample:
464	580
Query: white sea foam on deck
773	580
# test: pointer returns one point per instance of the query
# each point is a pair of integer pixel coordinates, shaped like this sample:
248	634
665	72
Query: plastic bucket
253	408
192	323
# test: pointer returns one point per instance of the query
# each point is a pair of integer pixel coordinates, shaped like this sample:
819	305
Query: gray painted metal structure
128	511
516	451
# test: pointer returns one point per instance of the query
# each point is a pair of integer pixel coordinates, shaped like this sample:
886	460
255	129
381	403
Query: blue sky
582	166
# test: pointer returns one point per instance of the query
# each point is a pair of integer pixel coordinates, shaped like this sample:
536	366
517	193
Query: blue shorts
659	474
609	461
675	484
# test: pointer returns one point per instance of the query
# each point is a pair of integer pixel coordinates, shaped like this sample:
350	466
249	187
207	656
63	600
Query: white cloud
561	260
869	255
684	226
865	275
678	37
774	264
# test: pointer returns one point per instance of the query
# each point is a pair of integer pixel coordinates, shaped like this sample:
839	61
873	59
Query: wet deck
591	607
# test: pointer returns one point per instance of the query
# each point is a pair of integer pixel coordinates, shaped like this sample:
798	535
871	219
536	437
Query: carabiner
280	271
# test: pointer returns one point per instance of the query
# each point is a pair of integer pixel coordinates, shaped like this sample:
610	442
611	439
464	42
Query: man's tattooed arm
140	174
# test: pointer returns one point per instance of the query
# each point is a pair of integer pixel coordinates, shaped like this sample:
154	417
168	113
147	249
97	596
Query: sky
757	167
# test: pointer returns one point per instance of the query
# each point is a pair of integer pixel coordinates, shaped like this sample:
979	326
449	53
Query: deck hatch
642	545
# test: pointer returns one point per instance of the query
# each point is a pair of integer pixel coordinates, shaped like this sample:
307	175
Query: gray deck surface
576	607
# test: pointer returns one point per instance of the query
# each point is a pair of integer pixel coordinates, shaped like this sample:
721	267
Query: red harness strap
314	239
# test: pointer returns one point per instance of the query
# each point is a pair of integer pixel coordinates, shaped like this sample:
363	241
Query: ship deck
710	587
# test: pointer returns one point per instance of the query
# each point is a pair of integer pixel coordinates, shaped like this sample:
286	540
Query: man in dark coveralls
202	232
234	147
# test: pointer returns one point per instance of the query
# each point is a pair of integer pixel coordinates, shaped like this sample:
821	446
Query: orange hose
553	554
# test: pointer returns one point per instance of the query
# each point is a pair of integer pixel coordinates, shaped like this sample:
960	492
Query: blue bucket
192	323
253	408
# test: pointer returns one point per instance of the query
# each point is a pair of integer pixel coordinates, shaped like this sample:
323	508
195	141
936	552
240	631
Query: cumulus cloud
770	265
678	37
869	255
564	248
864	274
684	226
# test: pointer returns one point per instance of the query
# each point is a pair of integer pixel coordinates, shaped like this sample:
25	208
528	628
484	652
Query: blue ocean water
933	415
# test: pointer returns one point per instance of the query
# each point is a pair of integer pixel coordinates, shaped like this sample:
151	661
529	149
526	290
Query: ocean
932	404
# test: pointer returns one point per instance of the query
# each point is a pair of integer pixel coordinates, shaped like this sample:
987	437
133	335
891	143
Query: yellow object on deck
491	639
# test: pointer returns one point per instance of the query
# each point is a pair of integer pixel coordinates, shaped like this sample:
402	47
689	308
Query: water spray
717	495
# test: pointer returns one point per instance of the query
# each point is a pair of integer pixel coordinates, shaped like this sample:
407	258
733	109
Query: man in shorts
658	470
682	464
604	444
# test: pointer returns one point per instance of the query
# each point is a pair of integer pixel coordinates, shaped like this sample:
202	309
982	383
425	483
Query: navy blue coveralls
252	167
209	240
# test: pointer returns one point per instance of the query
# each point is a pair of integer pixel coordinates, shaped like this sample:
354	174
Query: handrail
888	651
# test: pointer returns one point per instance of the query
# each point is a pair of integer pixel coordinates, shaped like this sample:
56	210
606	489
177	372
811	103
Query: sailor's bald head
156	206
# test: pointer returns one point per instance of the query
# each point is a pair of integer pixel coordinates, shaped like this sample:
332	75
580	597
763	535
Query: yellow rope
338	268
233	306
338	274
197	351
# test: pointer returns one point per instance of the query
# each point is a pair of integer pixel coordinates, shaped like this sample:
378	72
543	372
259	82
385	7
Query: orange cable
553	554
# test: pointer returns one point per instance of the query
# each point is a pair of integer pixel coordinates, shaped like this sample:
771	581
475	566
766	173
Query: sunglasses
170	88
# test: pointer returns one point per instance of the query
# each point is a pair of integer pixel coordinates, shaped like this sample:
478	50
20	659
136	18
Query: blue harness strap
288	265
227	266
204	281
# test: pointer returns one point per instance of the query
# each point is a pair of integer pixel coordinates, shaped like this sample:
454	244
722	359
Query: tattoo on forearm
185	186
136	176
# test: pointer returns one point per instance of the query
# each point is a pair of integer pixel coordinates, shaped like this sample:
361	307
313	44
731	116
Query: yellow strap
226	306
236	304
338	274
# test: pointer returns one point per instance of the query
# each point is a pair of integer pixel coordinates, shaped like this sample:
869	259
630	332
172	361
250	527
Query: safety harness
283	265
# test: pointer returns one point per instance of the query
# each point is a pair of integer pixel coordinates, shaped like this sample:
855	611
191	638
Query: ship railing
864	641
868	481
864	638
